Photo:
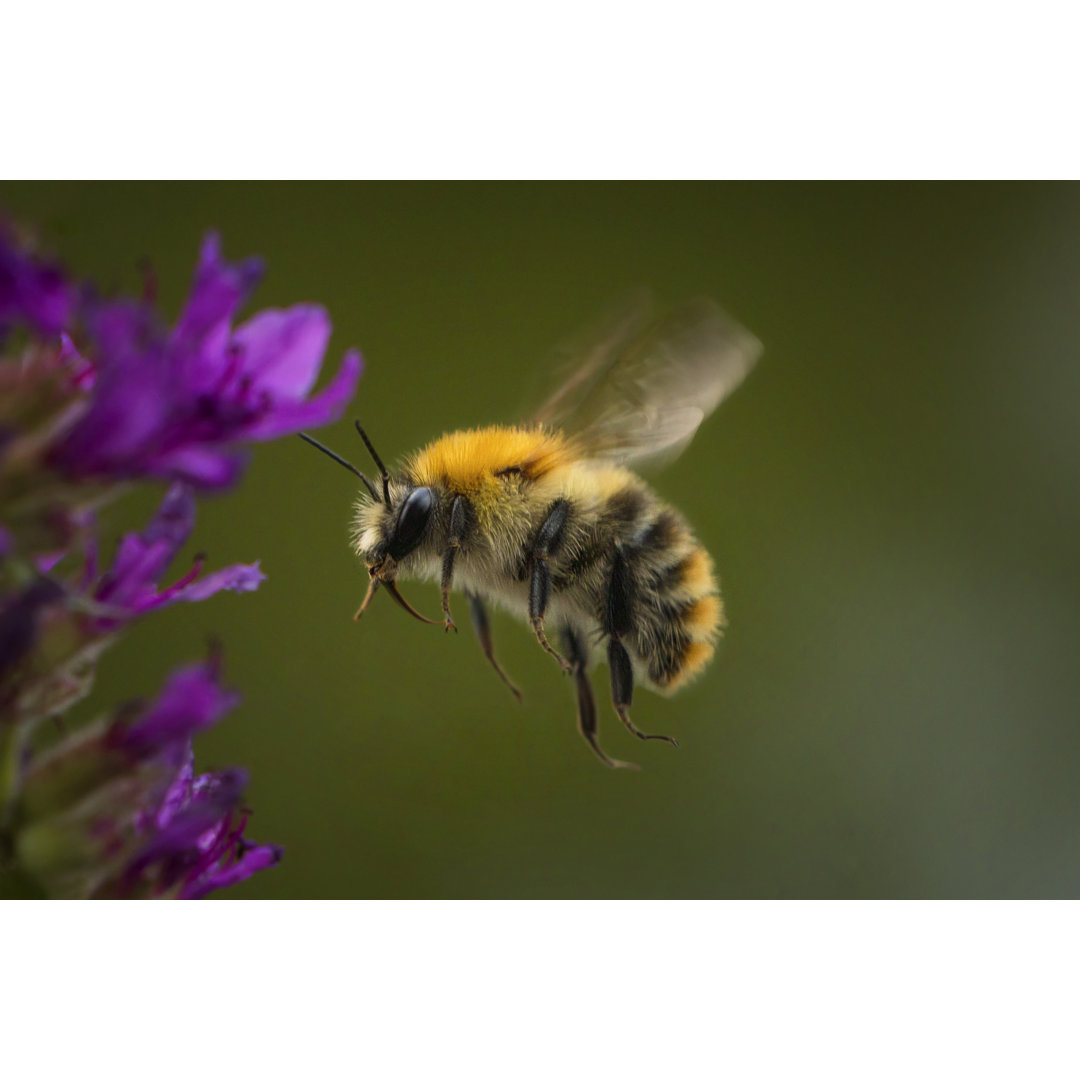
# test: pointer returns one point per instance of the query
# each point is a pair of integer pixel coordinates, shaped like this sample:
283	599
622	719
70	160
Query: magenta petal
324	408
82	373
254	859
237	578
204	466
177	794
129	407
218	290
121	329
200	820
44	563
192	700
283	350
174	519
31	290
131	585
131	581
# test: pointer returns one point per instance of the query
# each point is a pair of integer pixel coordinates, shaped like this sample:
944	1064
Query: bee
547	519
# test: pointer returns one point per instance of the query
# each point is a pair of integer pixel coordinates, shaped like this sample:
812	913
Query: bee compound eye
412	521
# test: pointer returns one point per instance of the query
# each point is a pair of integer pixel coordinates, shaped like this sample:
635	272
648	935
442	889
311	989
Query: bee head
388	528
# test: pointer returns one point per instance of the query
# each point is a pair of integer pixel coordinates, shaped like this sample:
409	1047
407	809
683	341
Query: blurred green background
892	500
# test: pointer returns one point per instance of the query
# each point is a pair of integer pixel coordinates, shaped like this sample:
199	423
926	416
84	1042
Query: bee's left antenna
341	461
377	460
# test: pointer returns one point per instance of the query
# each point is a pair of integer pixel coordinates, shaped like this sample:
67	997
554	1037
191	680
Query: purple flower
73	620
130	586
32	292
192	700
191	840
195	842
118	810
103	391
175	404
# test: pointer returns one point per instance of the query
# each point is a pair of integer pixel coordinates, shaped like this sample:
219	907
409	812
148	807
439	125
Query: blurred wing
642	385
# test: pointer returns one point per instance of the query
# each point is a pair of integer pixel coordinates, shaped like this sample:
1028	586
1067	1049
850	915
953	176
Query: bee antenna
377	459
341	461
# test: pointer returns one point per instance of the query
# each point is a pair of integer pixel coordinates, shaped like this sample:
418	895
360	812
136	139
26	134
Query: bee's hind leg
622	689
618	620
586	700
483	632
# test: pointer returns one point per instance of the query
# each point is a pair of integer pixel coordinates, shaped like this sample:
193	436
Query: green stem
12	743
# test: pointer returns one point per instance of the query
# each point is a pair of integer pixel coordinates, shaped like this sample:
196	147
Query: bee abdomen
678	614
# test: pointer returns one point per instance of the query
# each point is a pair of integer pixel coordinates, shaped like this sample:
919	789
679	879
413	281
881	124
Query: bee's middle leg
483	633
459	520
547	540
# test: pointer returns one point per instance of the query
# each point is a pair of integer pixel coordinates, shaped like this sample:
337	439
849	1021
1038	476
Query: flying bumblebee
547	520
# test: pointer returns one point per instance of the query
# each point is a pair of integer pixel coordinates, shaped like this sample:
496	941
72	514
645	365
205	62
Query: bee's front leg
547	540
459	520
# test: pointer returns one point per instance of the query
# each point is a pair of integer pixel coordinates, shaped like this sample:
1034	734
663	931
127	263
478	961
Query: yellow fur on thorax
467	462
592	484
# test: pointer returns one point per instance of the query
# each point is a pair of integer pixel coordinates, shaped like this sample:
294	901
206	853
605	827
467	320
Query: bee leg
483	632
547	539
618	620
586	700
458	525
622	689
